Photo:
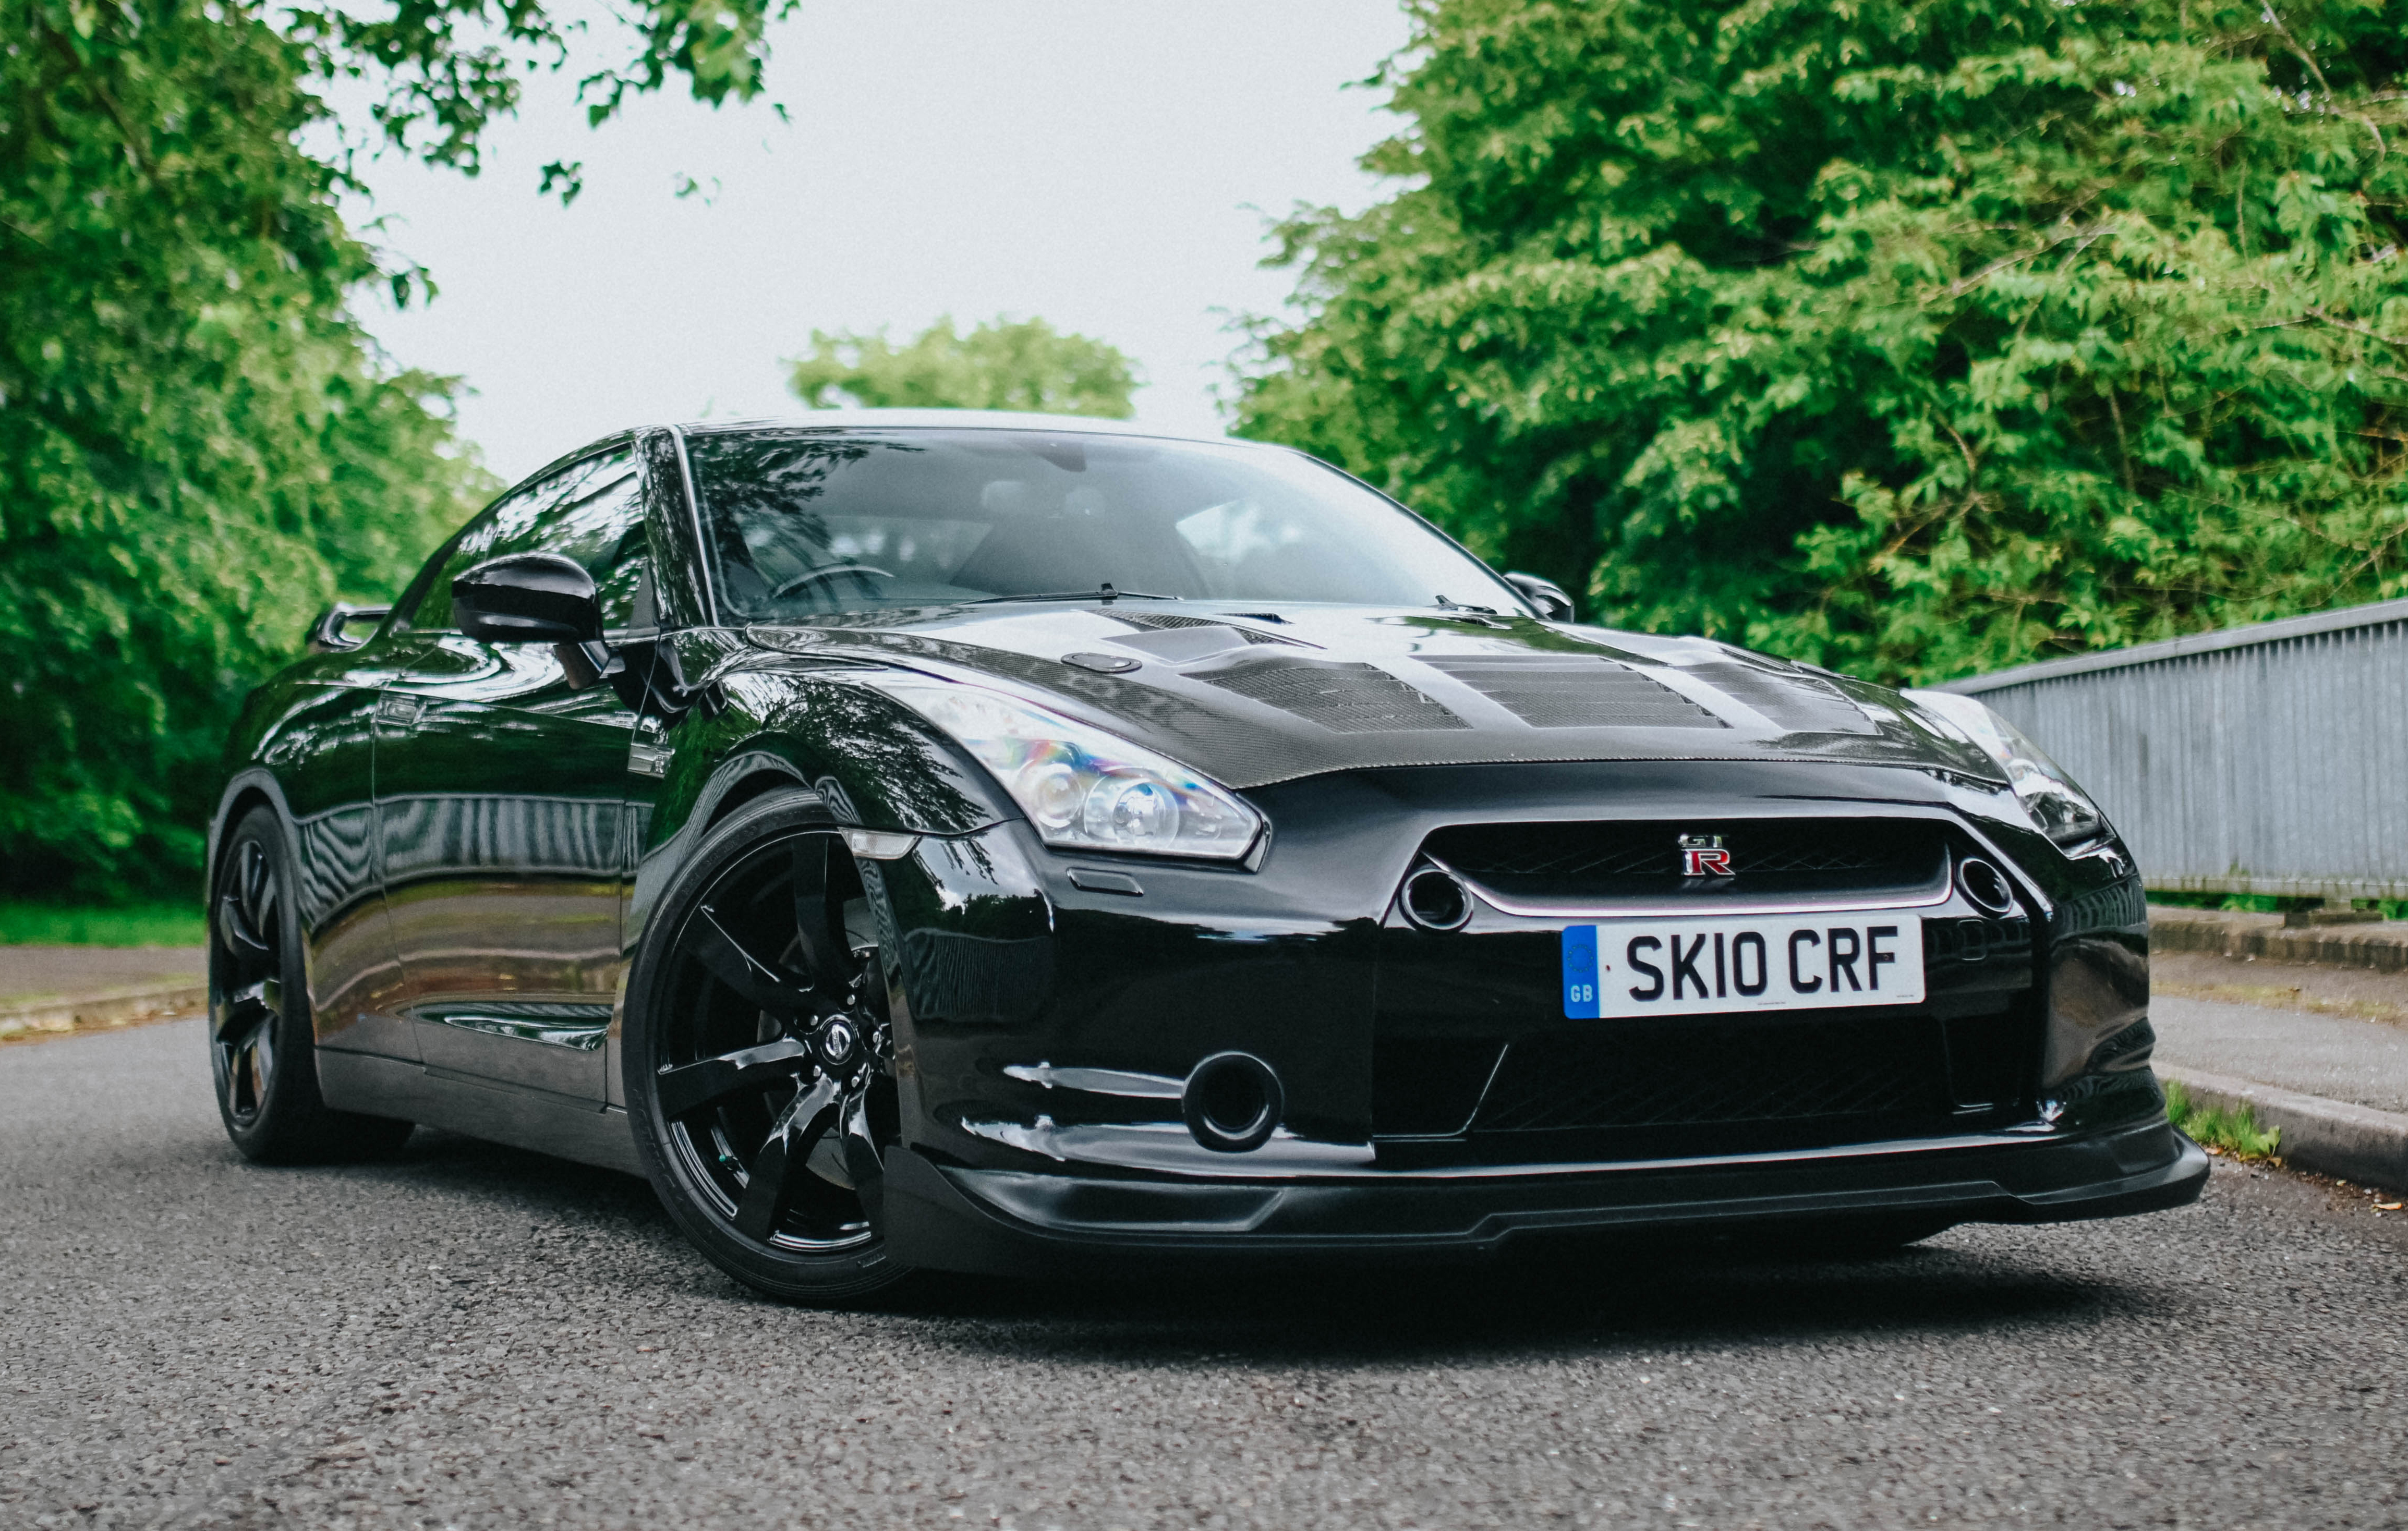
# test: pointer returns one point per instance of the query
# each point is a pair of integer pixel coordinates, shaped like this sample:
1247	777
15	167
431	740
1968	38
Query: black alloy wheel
263	1055
760	1060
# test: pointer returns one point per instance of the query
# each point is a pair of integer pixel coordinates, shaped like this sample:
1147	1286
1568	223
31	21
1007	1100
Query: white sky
1104	163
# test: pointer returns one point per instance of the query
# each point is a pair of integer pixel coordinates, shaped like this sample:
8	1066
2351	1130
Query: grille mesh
1800	853
1701	1071
1343	698
1574	691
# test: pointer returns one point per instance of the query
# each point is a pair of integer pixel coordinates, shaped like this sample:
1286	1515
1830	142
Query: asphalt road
467	1336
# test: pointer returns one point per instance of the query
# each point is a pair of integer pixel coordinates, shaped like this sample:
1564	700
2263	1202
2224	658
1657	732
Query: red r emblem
1702	855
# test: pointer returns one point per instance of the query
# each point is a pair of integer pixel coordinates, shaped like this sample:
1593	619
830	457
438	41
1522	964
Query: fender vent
1802	703
1574	691
1343	698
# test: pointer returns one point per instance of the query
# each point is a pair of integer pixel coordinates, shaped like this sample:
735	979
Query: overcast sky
1104	163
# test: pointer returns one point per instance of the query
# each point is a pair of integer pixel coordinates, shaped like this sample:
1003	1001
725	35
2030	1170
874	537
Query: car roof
959	420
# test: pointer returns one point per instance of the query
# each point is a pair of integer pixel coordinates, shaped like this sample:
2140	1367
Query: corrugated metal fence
2271	759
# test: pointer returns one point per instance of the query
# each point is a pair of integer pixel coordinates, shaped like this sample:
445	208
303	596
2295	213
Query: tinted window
804	521
590	511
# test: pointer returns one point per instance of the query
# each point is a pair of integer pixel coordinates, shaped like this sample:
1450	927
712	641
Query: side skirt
545	1123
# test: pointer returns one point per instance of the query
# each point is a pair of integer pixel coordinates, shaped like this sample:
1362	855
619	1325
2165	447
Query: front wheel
262	1054
759	1059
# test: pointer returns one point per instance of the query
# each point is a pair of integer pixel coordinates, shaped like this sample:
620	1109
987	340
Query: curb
112	1008
2382	947
2330	1136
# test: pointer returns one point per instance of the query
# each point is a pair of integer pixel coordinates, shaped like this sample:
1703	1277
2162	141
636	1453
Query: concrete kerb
2330	1137
96	1012
2380	946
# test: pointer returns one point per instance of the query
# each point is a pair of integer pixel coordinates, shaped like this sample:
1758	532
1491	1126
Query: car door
320	752
500	789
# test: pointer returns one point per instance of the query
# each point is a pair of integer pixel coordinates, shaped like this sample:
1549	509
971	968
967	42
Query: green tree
198	444
1003	365
1915	336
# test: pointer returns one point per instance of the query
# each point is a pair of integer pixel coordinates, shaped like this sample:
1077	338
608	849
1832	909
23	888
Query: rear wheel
759	1060
263	1055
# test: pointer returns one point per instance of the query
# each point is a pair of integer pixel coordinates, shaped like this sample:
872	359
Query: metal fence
2271	759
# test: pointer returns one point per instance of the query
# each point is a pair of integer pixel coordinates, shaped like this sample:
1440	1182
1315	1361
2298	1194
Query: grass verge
23	923
2225	1134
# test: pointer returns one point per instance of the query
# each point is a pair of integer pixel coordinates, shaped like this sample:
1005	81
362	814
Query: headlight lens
2061	811
1084	787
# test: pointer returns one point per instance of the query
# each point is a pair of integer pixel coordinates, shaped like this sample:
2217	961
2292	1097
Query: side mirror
527	598
1547	595
328	635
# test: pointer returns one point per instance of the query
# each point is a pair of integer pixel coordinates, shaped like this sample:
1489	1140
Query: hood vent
1574	691
1164	621
1798	704
1343	698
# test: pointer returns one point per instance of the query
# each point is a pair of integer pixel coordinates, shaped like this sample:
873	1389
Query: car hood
1274	692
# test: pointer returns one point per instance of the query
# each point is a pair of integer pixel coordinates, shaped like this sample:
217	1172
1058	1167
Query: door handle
401	712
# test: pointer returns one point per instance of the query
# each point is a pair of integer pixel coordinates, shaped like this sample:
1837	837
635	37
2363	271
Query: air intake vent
1574	691
1800	704
1343	698
1164	621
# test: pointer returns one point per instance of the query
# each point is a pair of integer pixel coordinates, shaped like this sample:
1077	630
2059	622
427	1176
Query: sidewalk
49	989
2308	1028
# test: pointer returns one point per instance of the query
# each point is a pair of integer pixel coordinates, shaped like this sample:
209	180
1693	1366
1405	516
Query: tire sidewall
842	1276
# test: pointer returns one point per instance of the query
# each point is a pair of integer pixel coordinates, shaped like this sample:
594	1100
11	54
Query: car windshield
804	521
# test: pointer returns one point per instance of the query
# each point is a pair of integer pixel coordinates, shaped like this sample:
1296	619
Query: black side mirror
1547	595
329	634
527	598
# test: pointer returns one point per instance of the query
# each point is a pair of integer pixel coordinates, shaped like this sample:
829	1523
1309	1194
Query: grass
2221	1132
23	923
2390	909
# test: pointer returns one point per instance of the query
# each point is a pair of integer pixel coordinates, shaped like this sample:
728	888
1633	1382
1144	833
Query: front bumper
1015	1221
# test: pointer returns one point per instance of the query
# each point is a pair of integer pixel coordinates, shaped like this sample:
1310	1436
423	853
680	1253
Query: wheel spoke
756	981
687	1088
245	1009
819	919
768	1187
236	927
861	1156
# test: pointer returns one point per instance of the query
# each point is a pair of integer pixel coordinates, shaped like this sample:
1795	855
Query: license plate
1617	969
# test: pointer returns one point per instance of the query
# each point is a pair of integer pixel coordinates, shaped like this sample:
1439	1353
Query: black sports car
984	842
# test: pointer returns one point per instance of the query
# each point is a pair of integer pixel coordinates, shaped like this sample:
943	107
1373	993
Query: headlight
2063	811
1083	788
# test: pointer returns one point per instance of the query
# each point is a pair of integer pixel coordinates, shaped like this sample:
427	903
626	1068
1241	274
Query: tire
263	1051
758	1059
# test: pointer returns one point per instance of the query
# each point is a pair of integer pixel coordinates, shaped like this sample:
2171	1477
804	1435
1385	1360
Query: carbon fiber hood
1272	694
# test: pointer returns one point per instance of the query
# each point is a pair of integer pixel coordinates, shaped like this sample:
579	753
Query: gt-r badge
1702	855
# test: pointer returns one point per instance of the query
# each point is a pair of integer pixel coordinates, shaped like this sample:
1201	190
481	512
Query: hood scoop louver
1343	698
1574	691
1798	704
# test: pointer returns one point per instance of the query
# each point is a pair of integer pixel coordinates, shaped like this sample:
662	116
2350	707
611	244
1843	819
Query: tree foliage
1029	365
198	444
1913	336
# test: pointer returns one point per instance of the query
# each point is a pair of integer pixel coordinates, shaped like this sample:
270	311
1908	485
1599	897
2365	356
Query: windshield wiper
1102	592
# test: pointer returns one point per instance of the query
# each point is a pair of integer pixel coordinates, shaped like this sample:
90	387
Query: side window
590	511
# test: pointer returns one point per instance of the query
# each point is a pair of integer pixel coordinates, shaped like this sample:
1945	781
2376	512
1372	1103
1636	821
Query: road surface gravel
470	1337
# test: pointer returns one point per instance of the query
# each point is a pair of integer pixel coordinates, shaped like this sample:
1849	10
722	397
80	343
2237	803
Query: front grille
1343	698
1695	1072
1637	859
